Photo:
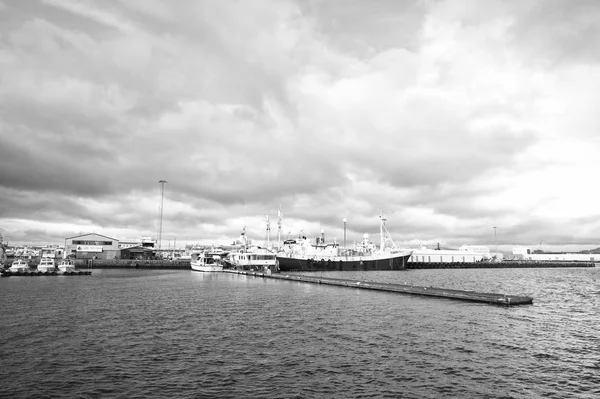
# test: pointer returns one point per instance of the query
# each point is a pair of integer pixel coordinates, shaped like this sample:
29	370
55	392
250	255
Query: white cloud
449	116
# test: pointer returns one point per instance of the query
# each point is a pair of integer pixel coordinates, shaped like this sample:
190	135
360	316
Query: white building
527	253
465	254
88	246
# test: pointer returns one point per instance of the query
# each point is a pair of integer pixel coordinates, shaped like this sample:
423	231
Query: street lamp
344	234
495	243
541	245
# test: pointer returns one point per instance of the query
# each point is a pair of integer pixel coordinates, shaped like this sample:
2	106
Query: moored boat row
302	255
46	267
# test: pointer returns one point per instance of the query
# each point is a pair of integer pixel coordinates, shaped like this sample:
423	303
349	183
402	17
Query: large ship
302	255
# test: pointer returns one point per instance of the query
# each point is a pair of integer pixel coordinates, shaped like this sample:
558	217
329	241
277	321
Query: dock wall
185	264
470	296
132	264
506	264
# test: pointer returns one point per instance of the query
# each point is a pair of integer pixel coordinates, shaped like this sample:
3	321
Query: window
84	242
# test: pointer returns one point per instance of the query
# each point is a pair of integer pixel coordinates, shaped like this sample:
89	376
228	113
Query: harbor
443	293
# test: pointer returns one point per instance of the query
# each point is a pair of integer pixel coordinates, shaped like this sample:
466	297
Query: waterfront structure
527	253
92	246
465	254
136	252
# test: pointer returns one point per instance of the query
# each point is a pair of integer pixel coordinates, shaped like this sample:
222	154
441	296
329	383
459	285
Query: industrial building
465	254
528	253
138	252
92	246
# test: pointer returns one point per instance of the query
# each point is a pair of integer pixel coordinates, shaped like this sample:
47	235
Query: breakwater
471	296
507	264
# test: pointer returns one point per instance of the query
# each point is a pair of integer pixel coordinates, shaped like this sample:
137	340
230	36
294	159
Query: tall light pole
345	235
495	242
160	211
541	245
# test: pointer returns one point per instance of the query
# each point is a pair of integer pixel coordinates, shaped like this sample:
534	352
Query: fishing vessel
252	257
46	265
302	255
19	266
67	266
256	258
208	260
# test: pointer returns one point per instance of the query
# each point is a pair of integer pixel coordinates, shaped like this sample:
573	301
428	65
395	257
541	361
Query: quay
472	296
505	264
34	273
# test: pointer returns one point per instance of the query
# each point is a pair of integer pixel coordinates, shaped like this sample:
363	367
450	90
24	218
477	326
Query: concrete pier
471	296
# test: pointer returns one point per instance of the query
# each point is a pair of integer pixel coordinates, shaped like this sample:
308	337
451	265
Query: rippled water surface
132	333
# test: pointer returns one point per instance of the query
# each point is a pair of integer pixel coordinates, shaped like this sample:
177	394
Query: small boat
46	265
19	266
256	258
67	266
208	261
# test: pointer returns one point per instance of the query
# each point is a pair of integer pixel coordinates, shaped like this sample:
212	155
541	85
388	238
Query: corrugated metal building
528	253
136	252
465	254
92	246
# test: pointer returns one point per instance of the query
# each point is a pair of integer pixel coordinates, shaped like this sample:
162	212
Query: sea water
157	334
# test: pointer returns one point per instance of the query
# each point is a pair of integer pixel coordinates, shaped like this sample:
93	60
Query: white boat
46	265
66	266
19	266
256	258
208	261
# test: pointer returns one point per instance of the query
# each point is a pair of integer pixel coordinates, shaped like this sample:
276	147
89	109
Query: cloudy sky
451	117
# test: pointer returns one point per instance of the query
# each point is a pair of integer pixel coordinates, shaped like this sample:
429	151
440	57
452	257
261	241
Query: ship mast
279	220
381	229
385	234
268	231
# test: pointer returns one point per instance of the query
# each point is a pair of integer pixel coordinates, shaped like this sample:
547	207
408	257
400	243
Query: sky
463	122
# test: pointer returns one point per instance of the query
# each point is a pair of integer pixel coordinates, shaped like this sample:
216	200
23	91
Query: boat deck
472	296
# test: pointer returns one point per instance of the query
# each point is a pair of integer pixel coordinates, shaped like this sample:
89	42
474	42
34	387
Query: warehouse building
137	252
92	246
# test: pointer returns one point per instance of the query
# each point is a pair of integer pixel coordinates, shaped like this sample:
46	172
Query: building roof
89	234
137	248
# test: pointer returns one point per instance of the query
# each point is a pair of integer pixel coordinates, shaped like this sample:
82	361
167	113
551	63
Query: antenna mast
160	211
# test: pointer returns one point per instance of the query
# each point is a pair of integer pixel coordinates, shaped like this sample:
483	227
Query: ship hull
341	263
206	268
